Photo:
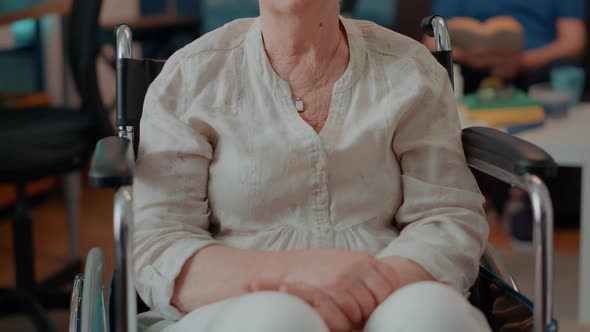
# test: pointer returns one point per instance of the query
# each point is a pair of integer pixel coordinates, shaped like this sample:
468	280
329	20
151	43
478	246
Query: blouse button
322	199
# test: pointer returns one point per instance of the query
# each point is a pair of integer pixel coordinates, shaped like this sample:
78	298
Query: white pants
425	306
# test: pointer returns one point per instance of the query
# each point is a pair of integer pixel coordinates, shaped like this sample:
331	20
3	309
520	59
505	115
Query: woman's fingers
366	300
378	286
333	316
348	303
389	274
355	301
374	286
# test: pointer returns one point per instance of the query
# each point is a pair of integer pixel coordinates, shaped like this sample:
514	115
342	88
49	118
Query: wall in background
18	72
16	66
18	69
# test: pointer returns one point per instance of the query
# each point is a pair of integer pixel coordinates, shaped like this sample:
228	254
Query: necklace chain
299	104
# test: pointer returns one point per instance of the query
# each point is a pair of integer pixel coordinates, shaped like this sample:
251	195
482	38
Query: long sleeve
171	208
442	222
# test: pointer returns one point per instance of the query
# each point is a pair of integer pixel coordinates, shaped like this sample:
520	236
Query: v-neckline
329	117
282	90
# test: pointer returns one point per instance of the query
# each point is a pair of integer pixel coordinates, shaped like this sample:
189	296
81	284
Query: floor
96	231
50	229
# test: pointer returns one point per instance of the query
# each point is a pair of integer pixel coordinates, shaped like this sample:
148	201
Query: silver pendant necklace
299	104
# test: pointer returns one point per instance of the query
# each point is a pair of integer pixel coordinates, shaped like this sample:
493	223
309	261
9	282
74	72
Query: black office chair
46	141
503	156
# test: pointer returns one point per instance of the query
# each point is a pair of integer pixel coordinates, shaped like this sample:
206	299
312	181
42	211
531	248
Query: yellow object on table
505	116
516	111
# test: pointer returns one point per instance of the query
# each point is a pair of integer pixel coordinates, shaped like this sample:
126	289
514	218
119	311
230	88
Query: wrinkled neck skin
301	38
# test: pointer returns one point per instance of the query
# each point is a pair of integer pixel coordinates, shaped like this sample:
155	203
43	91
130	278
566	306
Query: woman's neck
304	46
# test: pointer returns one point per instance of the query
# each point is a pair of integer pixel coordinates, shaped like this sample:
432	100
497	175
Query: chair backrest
134	77
82	48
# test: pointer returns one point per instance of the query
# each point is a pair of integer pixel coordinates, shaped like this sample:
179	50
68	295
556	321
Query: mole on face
321	25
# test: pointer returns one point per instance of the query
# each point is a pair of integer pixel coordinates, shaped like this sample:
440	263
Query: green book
520	99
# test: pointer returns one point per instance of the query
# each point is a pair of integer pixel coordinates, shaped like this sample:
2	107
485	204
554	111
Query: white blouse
225	158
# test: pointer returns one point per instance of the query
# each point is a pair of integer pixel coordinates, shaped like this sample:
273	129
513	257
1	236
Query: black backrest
133	79
82	48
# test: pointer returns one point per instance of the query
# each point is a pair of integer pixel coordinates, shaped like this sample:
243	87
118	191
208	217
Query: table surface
566	139
11	11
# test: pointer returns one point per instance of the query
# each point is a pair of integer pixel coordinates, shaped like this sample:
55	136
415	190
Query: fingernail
316	301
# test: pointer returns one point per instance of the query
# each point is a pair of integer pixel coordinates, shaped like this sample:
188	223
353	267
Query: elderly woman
303	172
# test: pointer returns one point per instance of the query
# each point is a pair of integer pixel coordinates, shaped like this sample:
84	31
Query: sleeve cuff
440	266
155	282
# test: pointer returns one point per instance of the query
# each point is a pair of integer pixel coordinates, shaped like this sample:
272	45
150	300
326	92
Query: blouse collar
254	48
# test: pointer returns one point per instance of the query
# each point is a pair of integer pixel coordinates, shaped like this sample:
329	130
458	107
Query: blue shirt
538	17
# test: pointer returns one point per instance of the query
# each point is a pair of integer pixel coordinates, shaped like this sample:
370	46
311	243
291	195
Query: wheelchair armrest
506	156
112	163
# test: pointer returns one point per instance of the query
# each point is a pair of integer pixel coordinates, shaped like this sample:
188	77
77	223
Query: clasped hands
344	287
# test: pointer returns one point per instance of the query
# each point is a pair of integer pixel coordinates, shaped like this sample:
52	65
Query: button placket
322	200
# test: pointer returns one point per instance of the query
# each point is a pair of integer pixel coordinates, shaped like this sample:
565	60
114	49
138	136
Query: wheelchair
491	151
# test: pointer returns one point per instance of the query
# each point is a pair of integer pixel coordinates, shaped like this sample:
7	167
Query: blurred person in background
554	35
